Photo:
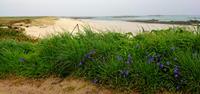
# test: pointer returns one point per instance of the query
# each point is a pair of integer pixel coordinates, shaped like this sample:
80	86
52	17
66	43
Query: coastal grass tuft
150	62
18	35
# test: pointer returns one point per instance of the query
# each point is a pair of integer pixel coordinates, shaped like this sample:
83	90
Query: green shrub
7	33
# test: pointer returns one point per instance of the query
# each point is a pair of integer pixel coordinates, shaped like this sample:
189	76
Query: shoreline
67	25
192	22
194	19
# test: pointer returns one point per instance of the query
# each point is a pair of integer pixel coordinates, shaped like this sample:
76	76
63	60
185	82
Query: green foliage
7	33
149	62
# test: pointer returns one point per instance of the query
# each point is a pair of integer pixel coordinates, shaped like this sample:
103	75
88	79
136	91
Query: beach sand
67	25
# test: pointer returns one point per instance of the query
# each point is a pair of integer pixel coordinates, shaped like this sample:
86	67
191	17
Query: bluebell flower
124	73
119	58
81	63
176	75
150	59
176	70
22	59
161	65
129	59
89	55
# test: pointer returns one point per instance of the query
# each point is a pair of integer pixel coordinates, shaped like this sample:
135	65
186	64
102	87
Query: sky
98	7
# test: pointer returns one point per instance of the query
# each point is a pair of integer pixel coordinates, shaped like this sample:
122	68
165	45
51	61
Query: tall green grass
157	61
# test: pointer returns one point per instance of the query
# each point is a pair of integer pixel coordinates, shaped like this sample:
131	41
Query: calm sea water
155	17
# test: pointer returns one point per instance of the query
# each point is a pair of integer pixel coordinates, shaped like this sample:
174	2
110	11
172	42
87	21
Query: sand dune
67	25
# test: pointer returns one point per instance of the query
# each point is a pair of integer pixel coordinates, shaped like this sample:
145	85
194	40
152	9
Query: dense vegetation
27	21
10	33
161	60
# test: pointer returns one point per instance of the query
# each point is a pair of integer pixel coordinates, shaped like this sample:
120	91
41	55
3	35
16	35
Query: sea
162	18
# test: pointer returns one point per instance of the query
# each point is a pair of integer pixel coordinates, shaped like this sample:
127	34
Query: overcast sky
98	7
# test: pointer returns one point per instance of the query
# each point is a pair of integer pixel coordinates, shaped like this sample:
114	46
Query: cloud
98	7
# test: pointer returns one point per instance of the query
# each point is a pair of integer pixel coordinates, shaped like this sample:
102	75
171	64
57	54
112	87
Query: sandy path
67	25
49	86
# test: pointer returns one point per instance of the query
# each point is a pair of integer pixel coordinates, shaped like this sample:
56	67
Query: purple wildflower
124	73
81	63
88	56
129	59
151	59
176	75
90	53
161	65
176	70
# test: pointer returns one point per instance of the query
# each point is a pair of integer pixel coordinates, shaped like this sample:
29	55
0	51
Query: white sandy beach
67	25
